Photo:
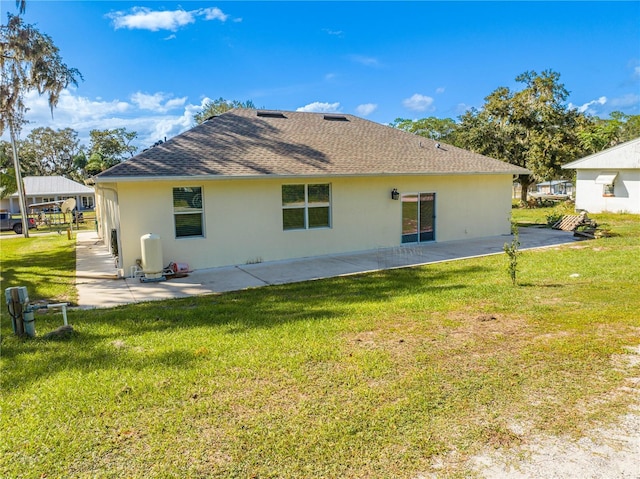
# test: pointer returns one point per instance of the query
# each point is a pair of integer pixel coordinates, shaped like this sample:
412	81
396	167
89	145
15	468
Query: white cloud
636	73
336	33
440	90
319	107
166	127
214	13
627	101
462	108
158	102
587	107
366	109
146	114
418	102
364	60
143	18
71	108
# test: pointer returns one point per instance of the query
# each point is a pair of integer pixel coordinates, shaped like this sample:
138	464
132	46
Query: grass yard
378	375
46	265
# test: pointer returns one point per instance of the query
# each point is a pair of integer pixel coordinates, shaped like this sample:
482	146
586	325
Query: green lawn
46	265
375	375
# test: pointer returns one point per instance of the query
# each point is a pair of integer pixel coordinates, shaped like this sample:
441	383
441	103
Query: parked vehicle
8	223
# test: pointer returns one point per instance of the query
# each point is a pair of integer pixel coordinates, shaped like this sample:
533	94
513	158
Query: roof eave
135	179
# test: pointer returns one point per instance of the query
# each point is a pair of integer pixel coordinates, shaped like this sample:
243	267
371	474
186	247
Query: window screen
188	212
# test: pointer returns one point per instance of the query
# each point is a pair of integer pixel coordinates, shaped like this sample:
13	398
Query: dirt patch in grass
489	324
611	451
515	439
441	335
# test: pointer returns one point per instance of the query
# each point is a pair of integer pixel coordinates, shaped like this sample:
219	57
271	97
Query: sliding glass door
418	217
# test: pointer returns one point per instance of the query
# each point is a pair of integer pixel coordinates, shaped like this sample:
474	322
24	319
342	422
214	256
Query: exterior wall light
394	194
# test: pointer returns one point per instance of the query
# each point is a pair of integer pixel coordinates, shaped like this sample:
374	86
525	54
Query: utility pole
21	195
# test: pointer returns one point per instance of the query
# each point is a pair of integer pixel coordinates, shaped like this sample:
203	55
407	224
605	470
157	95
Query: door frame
414	236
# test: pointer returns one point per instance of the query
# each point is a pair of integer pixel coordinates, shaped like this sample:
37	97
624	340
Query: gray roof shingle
250	143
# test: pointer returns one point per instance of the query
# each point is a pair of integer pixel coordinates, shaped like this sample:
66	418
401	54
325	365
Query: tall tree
597	134
532	128
53	150
441	129
631	128
218	107
8	184
29	165
29	60
108	148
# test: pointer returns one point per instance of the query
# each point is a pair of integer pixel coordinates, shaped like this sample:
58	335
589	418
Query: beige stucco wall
626	187
107	211
243	218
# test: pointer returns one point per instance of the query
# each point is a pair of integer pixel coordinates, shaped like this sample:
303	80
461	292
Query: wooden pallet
571	222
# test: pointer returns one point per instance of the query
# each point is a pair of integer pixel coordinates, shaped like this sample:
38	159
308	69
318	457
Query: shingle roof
53	185
252	143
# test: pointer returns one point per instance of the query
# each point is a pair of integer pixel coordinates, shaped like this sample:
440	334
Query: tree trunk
525	182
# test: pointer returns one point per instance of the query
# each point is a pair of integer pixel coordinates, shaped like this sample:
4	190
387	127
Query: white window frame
190	211
306	206
87	202
608	180
609	190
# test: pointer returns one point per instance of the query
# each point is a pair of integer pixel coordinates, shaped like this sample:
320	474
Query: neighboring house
250	186
551	188
516	189
555	187
44	189
609	180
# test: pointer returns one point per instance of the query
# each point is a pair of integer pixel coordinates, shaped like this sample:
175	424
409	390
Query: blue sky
148	66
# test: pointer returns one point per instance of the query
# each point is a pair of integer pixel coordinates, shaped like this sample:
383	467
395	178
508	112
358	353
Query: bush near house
377	375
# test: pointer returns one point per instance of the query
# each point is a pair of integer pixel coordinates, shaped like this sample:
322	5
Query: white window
87	202
187	211
608	190
306	206
607	180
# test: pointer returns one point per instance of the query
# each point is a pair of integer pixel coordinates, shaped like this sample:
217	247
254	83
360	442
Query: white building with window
609	180
253	185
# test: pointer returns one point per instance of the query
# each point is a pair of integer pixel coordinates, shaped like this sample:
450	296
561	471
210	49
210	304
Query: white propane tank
152	264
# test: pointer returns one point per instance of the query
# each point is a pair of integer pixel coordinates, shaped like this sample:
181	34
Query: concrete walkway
99	287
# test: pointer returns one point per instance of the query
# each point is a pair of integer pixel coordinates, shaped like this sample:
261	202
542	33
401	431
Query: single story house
45	189
555	187
609	180
251	186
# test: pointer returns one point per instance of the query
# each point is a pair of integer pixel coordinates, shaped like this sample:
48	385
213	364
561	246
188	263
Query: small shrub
513	251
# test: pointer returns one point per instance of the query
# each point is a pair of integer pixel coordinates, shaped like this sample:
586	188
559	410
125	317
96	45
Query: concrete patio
99	286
